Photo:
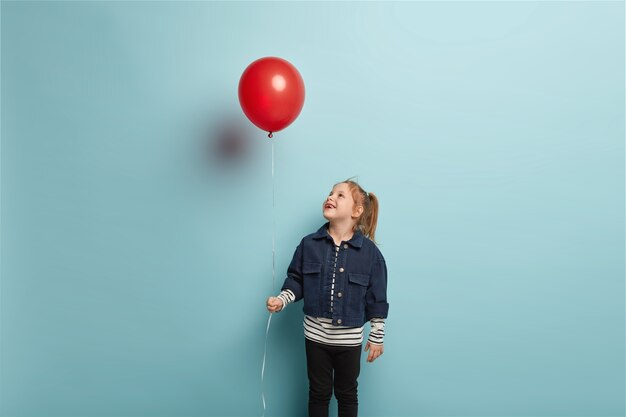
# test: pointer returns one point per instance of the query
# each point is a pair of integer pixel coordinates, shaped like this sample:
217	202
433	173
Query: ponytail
369	218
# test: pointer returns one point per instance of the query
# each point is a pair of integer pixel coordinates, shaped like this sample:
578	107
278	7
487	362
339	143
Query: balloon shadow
226	143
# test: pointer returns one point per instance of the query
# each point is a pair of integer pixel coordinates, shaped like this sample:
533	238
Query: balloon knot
270	135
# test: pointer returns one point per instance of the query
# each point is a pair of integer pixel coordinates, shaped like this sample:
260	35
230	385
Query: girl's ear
356	213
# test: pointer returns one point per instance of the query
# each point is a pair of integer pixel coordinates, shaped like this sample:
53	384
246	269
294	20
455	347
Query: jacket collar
356	240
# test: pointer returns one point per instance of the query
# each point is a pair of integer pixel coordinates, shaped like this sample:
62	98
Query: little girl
342	277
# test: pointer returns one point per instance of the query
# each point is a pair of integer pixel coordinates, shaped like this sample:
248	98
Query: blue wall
136	256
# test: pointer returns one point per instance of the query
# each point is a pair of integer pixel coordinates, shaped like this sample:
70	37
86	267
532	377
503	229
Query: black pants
331	367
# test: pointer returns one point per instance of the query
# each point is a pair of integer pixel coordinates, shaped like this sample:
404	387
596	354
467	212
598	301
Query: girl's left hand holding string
274	304
375	351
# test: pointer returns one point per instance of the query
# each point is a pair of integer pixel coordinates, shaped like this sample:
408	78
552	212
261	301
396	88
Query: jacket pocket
311	268
357	287
359	279
312	273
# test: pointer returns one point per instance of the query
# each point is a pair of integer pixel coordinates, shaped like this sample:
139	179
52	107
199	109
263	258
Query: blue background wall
136	258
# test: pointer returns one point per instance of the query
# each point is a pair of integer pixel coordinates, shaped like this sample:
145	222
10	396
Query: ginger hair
369	218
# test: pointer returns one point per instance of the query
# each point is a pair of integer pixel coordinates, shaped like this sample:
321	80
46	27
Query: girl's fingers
375	353
273	304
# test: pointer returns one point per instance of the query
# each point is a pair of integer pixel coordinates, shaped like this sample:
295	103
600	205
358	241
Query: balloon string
269	320
273	224
267	330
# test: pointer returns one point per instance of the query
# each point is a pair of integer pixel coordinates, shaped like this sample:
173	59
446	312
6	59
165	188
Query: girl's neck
341	232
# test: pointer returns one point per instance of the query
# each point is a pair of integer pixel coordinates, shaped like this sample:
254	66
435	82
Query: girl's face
339	205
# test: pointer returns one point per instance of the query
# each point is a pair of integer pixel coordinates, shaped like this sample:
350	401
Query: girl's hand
375	351
274	304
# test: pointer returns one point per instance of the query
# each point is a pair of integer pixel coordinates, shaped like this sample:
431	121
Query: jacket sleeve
376	304
293	281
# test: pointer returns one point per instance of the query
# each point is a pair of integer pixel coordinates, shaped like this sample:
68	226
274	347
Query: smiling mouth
328	206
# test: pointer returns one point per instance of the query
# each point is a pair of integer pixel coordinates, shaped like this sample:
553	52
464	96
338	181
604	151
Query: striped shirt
320	329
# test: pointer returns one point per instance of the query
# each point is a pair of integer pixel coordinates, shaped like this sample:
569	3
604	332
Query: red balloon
271	93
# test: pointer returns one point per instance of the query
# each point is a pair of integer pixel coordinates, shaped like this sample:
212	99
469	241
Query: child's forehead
341	187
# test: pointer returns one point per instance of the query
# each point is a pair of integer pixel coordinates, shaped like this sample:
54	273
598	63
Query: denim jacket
360	290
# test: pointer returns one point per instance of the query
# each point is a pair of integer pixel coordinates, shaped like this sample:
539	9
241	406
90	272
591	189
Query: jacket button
339	295
339	321
340	269
345	246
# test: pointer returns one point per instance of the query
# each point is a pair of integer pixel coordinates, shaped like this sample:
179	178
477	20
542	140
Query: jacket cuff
376	310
